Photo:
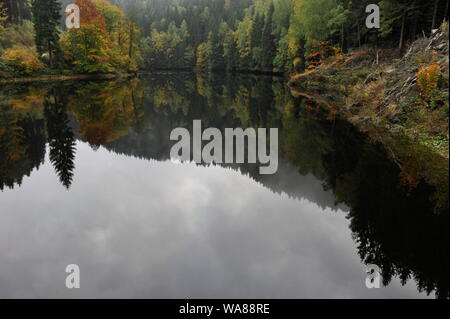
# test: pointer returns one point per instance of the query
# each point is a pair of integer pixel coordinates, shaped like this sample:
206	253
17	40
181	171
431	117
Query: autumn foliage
105	42
319	51
90	15
22	59
428	80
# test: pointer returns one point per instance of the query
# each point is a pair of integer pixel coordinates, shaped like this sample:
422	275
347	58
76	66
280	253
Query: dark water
86	178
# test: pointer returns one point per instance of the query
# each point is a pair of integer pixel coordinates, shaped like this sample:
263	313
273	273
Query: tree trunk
50	55
130	51
415	18
402	32
19	12
359	35
446	11
433	23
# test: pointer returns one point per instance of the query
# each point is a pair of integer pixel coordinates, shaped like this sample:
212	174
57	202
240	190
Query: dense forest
252	35
267	35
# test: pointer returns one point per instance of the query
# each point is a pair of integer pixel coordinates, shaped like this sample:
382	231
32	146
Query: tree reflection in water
401	228
61	139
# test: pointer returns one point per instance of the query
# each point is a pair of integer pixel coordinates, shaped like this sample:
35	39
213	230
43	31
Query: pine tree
217	60
61	139
46	18
231	53
256	41
268	42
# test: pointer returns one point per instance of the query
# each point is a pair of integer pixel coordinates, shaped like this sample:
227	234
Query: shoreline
49	78
109	76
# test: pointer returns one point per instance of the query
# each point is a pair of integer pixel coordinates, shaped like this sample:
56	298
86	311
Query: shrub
5	70
428	80
22	59
22	35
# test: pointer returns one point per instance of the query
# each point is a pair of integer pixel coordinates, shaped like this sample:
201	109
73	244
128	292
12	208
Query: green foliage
85	49
6	71
267	35
13	34
252	35
169	49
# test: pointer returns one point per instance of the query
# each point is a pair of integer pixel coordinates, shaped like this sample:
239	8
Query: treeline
107	40
272	35
253	35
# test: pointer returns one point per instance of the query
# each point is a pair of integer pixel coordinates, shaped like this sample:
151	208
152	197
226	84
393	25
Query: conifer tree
268	42
46	18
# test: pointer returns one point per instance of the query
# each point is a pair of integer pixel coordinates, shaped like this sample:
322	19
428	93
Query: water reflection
60	136
397	220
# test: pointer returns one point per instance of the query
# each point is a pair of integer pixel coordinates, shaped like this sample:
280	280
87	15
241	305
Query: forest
286	36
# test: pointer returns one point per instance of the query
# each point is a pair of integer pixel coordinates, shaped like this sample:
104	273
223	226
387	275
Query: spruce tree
46	18
268	42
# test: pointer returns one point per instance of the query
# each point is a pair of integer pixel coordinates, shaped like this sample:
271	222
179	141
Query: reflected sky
156	229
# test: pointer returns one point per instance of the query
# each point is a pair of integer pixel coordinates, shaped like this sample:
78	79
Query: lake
86	178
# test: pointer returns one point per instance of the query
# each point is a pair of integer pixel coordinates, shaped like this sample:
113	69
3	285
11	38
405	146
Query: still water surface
86	178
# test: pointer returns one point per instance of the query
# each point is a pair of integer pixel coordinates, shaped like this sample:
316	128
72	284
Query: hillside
401	102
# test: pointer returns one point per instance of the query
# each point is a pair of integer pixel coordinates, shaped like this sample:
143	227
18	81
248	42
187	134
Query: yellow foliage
428	80
202	52
289	110
22	59
201	87
297	61
3	15
337	53
34	97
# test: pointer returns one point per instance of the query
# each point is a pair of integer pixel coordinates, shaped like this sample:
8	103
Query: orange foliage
428	80
320	50
96	134
90	15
